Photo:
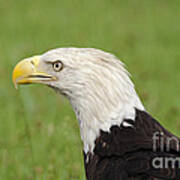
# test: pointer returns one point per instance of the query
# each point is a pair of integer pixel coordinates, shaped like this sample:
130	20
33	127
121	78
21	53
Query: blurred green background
39	134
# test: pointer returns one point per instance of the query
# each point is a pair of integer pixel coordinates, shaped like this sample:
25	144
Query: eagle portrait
121	140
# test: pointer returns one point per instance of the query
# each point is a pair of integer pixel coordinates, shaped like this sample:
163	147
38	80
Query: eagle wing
133	152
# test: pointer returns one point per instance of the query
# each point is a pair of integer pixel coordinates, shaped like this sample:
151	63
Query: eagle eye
57	66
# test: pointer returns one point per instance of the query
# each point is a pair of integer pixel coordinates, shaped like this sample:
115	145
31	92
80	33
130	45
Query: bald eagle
121	140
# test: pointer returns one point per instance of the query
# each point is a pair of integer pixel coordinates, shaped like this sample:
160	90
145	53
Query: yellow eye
57	66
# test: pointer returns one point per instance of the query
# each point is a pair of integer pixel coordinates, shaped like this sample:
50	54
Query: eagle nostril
32	62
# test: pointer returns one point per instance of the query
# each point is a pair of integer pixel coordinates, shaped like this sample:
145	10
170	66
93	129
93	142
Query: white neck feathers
107	97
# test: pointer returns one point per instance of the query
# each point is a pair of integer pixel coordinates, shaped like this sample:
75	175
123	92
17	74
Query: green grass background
39	134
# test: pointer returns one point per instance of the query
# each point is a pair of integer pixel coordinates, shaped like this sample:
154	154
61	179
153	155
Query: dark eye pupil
57	65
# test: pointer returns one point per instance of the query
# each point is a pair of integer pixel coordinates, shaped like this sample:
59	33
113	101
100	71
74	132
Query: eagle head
95	82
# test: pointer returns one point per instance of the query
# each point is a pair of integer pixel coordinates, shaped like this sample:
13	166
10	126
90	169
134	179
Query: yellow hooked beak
27	72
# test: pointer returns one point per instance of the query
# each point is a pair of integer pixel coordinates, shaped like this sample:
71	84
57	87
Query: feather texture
127	152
